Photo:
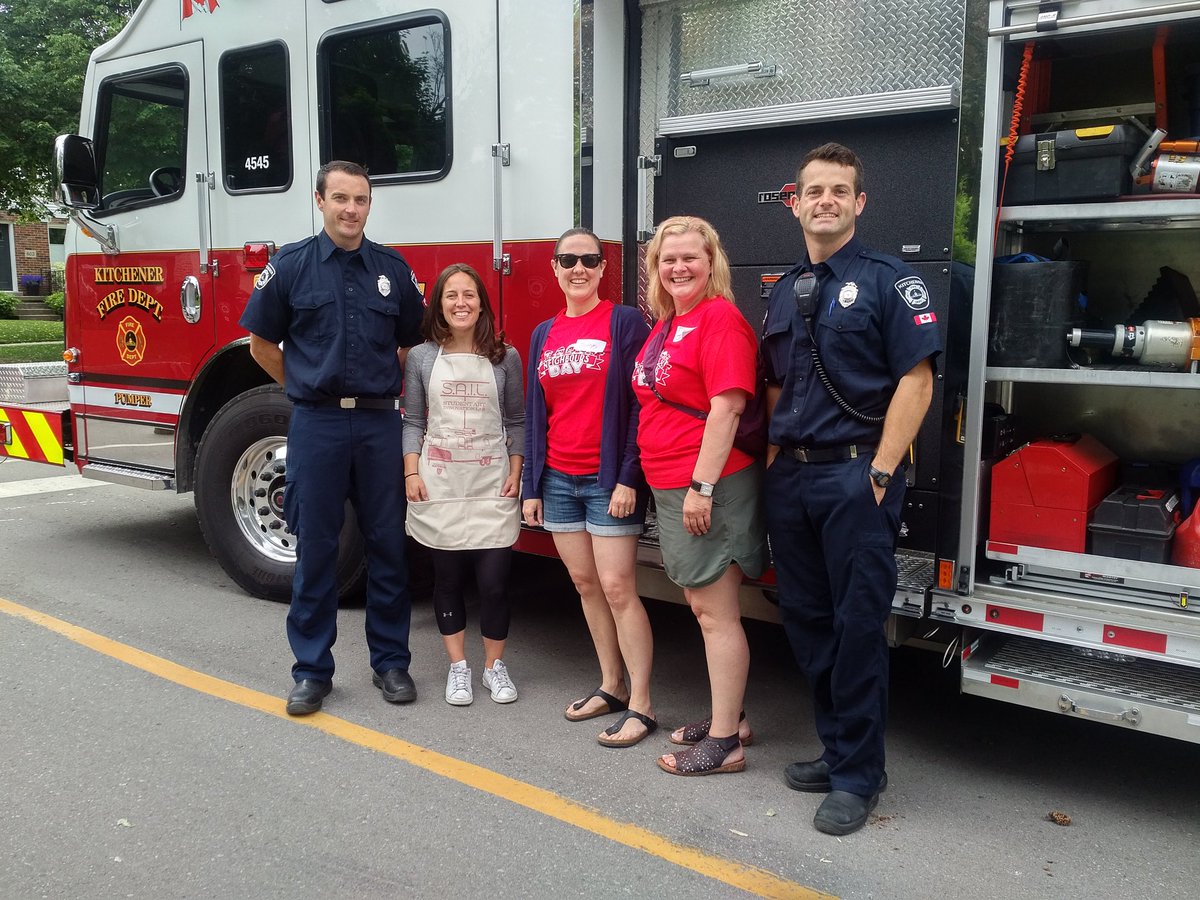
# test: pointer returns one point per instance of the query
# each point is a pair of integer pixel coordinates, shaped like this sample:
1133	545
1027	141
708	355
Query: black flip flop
615	728
614	705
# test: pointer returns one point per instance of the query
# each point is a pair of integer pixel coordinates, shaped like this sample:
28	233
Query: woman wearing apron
463	433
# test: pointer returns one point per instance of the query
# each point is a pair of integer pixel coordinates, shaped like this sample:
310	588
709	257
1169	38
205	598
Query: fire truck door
413	97
145	316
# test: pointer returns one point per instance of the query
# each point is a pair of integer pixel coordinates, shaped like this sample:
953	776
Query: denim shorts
578	503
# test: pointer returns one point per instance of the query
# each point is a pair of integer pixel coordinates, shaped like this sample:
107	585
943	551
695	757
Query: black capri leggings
491	578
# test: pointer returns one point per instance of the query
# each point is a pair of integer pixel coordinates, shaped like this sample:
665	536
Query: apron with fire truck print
464	461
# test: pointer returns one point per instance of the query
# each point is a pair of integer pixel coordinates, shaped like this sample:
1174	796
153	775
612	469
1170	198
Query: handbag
751	434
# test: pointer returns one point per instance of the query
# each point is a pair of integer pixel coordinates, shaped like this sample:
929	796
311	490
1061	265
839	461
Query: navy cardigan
620	460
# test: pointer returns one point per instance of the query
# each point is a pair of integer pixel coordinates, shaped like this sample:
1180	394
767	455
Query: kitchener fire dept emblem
131	340
385	286
848	294
913	290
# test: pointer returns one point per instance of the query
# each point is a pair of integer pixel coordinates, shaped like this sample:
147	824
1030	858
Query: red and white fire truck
490	126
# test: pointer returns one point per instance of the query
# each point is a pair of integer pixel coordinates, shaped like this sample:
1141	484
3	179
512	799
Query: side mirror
75	165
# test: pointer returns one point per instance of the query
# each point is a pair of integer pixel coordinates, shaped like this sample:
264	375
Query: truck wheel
239	477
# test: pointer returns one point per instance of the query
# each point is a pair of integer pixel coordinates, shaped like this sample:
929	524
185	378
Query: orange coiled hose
1018	104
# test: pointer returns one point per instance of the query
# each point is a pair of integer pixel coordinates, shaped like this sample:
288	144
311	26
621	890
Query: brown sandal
698	731
706	758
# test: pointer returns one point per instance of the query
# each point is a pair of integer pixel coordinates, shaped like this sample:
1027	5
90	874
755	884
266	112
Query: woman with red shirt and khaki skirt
703	355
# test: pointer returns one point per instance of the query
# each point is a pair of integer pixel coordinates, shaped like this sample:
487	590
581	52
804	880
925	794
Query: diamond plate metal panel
33	382
823	49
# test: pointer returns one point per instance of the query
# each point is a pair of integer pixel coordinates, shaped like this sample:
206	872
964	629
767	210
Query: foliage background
44	49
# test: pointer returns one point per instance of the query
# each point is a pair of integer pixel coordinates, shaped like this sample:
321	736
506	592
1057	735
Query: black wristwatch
703	488
881	478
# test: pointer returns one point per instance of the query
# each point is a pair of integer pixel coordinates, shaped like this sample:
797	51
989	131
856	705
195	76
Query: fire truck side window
256	119
140	136
384	99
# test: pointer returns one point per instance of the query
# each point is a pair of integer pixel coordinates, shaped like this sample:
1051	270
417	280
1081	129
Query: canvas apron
464	461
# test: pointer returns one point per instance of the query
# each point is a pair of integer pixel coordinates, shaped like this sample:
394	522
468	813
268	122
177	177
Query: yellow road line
747	878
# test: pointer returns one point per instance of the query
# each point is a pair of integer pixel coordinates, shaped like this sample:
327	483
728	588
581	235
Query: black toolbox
1135	522
1081	164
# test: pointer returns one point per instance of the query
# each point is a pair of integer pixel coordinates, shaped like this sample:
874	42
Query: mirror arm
104	235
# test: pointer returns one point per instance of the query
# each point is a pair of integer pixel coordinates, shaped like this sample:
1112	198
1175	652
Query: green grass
25	331
30	341
23	353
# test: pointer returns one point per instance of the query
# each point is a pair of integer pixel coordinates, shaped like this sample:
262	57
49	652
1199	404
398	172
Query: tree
44	50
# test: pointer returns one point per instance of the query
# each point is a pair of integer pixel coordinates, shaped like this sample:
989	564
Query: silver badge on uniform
848	294
385	286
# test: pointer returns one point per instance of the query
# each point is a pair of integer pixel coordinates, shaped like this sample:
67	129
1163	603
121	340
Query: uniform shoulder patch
264	277
913	291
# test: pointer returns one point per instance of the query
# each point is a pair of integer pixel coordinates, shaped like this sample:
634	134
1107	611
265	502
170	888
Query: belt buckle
348	402
801	454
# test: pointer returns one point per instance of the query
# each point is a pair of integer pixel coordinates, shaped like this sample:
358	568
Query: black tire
239	475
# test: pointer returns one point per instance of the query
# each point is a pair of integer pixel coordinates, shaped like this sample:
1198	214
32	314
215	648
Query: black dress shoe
306	696
396	684
842	812
810	777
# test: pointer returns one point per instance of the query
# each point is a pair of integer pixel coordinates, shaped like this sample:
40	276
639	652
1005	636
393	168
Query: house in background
28	248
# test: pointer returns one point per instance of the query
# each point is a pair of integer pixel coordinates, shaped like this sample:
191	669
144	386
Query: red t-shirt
710	350
571	371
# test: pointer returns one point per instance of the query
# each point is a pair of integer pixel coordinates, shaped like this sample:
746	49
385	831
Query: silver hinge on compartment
1045	155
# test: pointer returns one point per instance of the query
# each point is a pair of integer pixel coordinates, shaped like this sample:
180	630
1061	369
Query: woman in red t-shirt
702	355
582	478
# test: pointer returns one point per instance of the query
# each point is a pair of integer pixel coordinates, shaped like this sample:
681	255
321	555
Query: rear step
129	477
1145	694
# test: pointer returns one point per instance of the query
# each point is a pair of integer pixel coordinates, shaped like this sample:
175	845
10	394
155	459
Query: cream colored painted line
33	486
747	878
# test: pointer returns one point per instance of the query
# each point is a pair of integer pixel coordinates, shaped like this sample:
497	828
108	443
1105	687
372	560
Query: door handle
647	167
204	181
190	299
501	157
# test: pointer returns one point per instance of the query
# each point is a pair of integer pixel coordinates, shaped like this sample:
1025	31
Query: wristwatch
881	478
703	488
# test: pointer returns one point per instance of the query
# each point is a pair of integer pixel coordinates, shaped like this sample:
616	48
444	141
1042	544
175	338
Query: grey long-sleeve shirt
509	389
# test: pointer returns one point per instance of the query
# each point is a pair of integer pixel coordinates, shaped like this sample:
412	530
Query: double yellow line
747	878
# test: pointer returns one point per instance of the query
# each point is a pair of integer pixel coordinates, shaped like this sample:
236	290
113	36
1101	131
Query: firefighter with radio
328	319
849	342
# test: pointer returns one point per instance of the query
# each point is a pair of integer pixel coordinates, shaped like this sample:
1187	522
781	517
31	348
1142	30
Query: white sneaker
497	681
458	684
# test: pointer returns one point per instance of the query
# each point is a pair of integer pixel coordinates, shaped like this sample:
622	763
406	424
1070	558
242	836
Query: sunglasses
568	260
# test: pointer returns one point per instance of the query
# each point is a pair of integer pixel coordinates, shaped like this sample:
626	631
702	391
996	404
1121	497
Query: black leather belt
357	402
827	454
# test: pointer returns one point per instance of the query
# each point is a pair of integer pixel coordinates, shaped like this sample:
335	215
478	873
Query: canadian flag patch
925	319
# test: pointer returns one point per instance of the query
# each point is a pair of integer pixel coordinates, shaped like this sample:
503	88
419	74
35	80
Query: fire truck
1055	132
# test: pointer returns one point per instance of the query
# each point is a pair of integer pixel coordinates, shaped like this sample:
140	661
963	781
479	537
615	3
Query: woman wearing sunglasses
693	379
582	477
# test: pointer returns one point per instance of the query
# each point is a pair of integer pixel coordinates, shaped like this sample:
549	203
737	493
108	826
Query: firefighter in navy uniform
343	308
835	482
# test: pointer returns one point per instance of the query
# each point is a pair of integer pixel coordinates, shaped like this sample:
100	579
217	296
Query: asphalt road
145	754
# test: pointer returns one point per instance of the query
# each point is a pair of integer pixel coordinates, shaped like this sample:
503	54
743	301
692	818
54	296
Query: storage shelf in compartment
1125	376
1150	213
1099	569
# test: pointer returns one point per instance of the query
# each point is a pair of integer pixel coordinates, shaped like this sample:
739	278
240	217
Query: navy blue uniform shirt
341	317
873	323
